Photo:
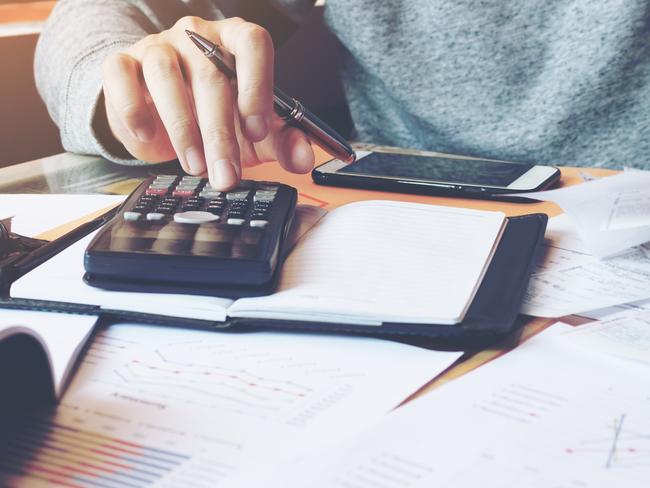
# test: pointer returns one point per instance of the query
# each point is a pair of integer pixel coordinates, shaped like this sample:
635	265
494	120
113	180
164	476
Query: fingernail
255	127
194	160
144	134
223	174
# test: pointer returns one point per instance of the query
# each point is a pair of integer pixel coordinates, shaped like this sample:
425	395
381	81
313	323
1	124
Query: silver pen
287	107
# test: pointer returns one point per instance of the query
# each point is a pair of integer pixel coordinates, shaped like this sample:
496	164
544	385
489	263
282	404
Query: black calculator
176	234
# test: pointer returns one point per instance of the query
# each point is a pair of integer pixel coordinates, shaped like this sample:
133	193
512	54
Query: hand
165	99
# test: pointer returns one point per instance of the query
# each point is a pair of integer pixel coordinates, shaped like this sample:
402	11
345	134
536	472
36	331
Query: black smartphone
431	175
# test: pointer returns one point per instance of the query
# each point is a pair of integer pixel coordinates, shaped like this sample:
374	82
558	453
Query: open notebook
37	353
364	265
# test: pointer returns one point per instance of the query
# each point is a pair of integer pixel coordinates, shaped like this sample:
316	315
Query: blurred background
307	64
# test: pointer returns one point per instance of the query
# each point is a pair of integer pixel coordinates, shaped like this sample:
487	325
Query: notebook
364	267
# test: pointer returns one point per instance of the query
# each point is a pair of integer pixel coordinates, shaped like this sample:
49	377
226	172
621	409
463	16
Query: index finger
253	49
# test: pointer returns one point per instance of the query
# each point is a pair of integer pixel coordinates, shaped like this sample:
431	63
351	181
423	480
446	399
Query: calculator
177	234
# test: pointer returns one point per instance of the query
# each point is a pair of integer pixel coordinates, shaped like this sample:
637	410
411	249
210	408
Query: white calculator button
195	217
259	223
132	216
155	216
236	221
237	195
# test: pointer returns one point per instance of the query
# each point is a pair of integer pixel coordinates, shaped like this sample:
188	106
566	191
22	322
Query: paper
629	209
61	335
548	414
569	280
193	408
381	261
60	279
625	335
605	312
35	214
610	214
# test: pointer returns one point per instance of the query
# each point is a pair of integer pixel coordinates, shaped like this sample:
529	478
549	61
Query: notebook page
61	335
380	261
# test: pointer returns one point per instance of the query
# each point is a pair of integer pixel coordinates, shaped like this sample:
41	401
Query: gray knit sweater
551	81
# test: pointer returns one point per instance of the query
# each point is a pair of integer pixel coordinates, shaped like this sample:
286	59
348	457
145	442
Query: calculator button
156	191
132	216
183	193
259	223
237	195
267	187
210	194
236	221
166	178
264	196
155	216
195	217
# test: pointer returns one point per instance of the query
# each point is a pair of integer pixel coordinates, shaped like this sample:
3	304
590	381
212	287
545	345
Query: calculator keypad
170	198
185	215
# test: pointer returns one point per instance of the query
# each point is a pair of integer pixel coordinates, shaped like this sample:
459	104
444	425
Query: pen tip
189	32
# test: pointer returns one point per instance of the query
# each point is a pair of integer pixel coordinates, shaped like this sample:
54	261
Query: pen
287	107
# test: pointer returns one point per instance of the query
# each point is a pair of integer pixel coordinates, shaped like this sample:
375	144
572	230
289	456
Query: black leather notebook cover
491	316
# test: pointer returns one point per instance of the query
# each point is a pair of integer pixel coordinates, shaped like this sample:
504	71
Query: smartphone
477	178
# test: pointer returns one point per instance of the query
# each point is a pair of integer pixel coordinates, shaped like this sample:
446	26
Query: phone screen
472	172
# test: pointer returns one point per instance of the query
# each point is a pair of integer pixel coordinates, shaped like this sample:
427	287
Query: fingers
288	145
295	154
165	82
213	101
165	99
124	91
253	49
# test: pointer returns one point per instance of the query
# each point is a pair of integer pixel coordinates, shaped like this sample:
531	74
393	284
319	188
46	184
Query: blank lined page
381	261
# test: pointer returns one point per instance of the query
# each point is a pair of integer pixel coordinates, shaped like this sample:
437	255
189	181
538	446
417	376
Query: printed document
611	214
570	280
548	414
625	335
178	407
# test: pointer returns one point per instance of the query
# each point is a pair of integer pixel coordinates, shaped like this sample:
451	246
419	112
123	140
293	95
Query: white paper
35	214
61	335
605	312
548	414
569	280
223	409
625	335
590	204
381	261
629	209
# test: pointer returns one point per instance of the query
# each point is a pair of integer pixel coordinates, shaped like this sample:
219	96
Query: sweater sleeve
77	38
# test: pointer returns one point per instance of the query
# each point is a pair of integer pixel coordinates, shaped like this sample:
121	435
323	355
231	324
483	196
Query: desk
66	173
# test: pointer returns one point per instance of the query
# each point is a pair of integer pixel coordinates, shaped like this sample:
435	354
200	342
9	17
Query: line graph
220	373
622	448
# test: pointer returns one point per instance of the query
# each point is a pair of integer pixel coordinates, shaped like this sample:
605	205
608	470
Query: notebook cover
491	316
